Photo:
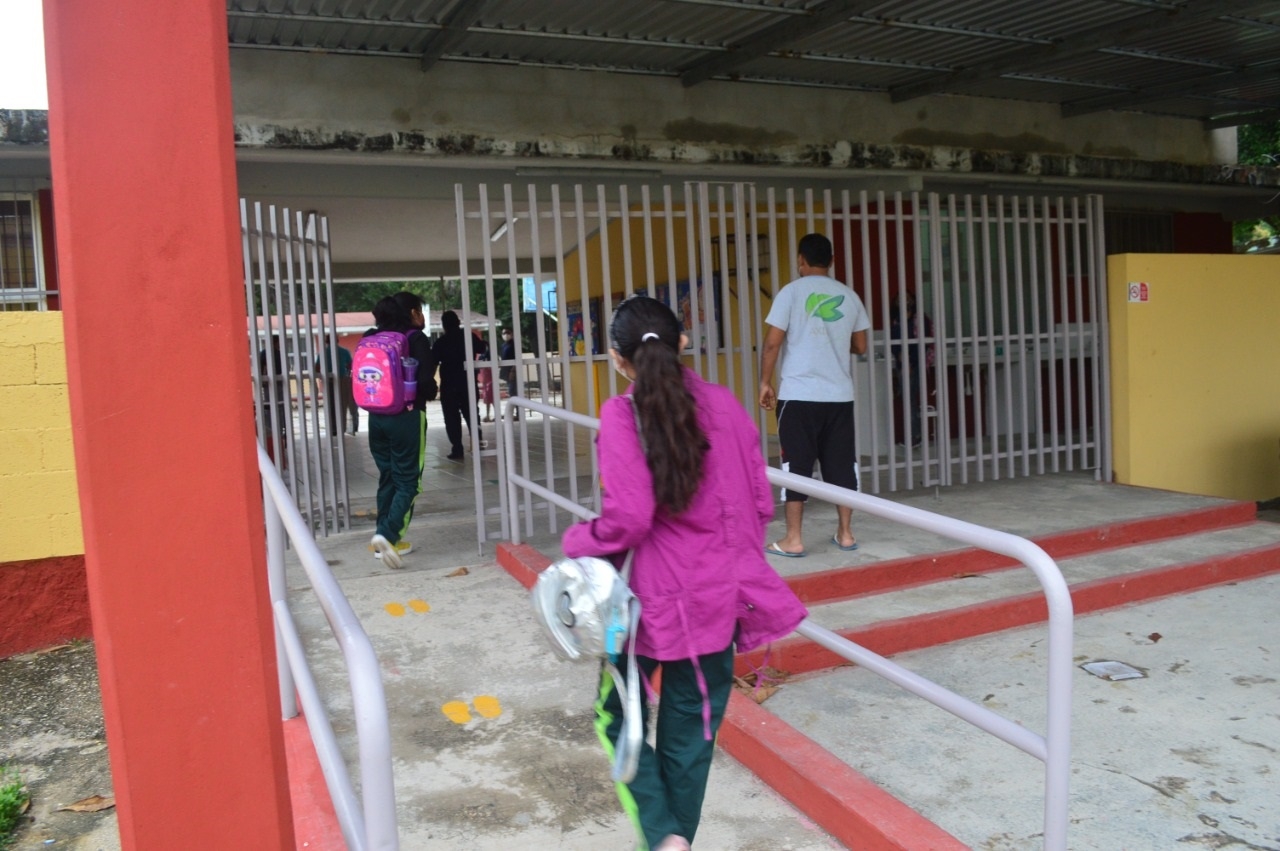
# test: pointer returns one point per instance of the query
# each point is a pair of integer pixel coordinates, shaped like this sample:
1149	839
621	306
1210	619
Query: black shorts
821	433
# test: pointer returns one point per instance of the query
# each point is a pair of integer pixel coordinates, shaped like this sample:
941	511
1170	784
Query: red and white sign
1139	291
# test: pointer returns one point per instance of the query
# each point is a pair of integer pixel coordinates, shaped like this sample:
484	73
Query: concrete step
868	574
967	588
1183	758
970	603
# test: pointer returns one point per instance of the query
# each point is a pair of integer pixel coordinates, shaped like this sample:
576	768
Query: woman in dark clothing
455	393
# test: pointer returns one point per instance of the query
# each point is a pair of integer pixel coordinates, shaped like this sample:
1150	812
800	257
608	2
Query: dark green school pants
397	443
666	795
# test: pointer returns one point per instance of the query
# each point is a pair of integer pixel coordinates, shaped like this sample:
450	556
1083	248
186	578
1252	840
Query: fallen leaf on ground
762	684
91	804
760	695
462	571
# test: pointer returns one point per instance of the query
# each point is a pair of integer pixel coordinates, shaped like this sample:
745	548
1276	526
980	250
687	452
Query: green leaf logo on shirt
824	307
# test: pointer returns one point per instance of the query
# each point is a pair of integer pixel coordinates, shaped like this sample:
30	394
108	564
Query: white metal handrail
1053	748
373	827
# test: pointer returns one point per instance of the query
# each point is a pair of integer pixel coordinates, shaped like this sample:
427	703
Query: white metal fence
293	351
1009	378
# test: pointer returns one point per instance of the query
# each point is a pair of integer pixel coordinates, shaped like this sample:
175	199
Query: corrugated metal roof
1069	53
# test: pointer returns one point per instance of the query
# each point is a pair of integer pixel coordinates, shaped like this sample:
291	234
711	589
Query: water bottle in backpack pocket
379	379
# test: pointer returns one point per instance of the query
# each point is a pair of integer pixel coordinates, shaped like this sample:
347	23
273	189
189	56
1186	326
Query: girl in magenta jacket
688	493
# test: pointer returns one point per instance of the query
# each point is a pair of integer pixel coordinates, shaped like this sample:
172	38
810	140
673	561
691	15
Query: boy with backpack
392	378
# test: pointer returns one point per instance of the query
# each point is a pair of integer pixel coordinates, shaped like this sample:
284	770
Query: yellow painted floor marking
456	711
419	606
395	610
487	706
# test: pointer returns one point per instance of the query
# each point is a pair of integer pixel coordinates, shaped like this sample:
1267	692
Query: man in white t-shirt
814	324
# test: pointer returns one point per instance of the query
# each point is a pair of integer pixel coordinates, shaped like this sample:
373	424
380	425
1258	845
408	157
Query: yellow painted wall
573	290
1195	387
39	508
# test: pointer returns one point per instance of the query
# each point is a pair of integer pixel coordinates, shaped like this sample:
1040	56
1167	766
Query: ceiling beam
1214	81
762	42
1086	41
453	29
1266	116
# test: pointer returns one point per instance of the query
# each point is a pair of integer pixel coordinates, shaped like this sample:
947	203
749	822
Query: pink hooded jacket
701	576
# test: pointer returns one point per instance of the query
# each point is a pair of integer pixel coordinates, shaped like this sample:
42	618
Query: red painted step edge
522	561
843	802
315	823
842	584
799	655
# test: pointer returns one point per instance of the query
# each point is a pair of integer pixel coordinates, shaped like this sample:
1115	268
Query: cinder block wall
1195	391
39	506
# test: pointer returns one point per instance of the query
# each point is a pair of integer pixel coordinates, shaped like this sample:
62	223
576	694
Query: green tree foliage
1257	144
442	294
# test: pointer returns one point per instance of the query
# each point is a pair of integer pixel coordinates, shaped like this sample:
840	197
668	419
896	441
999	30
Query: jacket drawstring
697	670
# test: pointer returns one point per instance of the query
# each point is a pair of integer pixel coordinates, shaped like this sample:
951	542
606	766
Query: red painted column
148	243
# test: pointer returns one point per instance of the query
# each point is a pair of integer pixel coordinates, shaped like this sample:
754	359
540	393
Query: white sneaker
401	546
388	552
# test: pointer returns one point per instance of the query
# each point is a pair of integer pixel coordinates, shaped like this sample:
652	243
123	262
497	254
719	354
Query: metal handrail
373	826
1053	748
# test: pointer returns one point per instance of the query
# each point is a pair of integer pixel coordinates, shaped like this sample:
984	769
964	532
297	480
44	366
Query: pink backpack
379	379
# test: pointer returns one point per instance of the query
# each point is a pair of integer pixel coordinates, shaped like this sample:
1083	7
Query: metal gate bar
293	357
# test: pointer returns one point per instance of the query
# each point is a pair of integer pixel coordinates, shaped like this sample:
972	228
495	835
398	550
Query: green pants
666	795
398	445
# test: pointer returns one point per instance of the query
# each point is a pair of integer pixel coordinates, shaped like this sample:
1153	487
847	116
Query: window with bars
22	279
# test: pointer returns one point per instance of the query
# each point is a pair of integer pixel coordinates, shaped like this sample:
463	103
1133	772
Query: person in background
484	384
814	324
508	373
906	382
412	303
273	381
685	488
450	352
397	441
339	400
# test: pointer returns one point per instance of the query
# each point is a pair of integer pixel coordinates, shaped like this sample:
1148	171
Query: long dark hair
647	334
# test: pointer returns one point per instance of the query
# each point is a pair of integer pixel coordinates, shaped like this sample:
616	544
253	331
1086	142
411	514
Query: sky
22	80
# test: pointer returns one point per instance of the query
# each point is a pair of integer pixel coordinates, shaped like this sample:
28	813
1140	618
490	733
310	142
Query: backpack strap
631	736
